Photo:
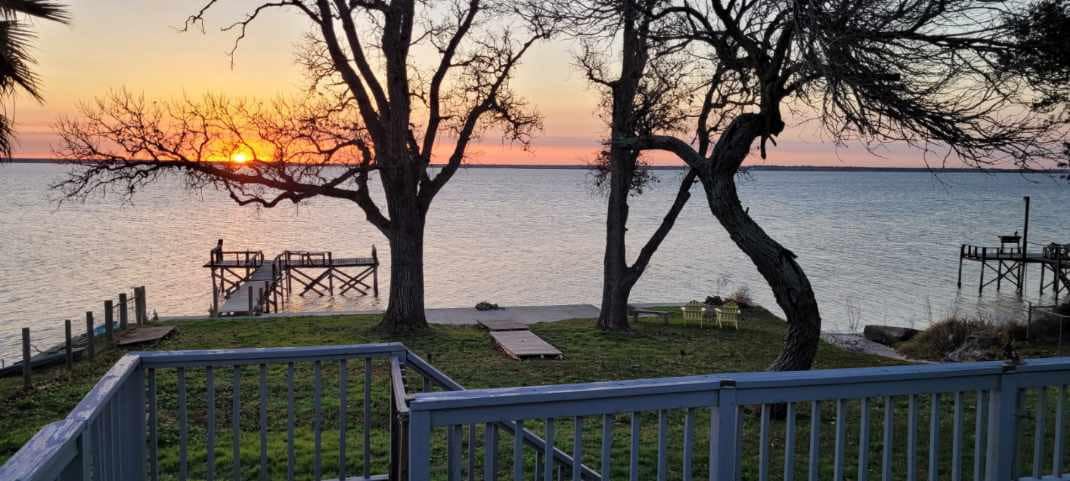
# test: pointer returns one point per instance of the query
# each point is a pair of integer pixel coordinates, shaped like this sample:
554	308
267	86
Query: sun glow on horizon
239	157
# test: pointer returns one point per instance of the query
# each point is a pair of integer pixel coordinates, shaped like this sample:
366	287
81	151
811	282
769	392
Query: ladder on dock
244	283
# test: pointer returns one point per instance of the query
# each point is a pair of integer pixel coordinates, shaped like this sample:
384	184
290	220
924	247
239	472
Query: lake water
884	242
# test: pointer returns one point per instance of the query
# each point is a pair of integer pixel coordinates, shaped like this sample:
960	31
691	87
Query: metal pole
1025	247
26	358
91	347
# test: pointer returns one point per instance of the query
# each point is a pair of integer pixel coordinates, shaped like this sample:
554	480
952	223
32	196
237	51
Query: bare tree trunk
617	278
405	307
777	265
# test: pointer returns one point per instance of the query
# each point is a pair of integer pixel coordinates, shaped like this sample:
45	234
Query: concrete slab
521	314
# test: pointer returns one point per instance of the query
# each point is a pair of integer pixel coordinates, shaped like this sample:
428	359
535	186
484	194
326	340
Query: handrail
530	438
266	355
398	385
532	395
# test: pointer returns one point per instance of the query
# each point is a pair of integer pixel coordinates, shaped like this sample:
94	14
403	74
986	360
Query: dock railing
330	411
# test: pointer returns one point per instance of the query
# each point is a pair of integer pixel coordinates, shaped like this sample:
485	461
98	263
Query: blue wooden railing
152	411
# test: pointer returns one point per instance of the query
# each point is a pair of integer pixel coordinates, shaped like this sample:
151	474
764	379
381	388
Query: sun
239	158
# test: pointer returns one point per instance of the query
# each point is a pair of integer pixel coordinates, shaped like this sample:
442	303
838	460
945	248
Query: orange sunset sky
136	45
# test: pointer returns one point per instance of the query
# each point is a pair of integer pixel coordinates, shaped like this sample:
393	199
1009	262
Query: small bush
943	337
486	306
742	296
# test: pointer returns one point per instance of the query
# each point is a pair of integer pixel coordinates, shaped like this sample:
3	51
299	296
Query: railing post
80	467
133	432
1003	427
419	445
723	436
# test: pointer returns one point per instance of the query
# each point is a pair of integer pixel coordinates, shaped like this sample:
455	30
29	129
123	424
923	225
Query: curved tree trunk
617	280
777	265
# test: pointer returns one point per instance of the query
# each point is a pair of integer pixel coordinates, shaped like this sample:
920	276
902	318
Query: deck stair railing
378	411
226	414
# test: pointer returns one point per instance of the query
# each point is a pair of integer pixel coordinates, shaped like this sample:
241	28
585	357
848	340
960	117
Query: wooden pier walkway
244	283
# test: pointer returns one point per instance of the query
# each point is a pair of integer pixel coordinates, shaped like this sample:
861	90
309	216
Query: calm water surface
885	242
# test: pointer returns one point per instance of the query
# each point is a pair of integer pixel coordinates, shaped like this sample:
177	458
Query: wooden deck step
503	325
524	345
141	335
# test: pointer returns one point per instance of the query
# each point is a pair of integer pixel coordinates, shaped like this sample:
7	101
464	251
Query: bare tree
395	76
913	71
640	96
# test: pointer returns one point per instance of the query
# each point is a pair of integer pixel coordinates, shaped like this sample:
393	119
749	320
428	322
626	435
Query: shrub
741	296
944	337
486	306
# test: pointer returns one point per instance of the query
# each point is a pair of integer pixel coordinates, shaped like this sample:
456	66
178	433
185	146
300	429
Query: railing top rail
266	355
102	392
563	392
46	453
474	398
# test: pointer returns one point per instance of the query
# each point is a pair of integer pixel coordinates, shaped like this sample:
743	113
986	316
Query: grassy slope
464	353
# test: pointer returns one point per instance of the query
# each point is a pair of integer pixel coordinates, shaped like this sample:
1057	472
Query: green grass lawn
464	353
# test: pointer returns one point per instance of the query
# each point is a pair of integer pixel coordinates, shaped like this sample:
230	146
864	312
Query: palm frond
15	59
43	9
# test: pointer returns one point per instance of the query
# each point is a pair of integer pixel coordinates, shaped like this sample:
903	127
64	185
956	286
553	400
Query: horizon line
766	167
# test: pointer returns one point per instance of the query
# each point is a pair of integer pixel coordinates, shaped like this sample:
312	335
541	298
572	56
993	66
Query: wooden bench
635	312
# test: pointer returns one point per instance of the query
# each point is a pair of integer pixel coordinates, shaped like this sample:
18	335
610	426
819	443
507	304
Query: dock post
330	273
1043	267
984	264
250	296
1058	272
140	309
215	302
91	347
26	358
261	306
1025	248
962	252
67	350
123	316
375	272
109	319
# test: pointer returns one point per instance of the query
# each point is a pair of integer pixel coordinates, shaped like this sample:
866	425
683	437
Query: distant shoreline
754	168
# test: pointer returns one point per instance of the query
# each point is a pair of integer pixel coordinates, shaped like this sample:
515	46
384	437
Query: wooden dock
1011	259
244	283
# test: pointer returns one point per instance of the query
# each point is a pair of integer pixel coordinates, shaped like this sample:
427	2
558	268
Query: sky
113	44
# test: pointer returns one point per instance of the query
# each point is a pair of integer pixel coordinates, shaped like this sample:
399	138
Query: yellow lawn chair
693	311
728	313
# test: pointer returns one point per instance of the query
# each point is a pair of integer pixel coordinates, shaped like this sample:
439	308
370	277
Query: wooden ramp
524	345
503	325
143	334
238	302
